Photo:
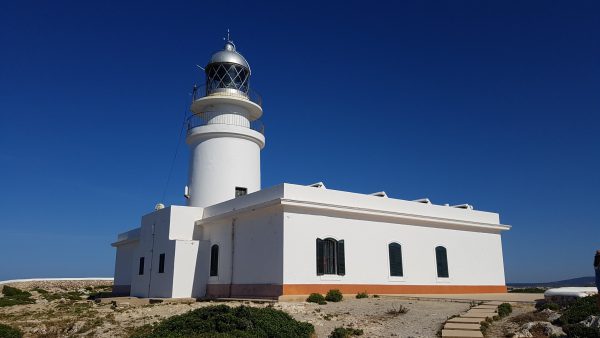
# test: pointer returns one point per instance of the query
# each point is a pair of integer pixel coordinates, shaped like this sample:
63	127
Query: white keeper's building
234	239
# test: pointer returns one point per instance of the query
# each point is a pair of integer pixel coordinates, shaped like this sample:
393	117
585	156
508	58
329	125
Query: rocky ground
61	310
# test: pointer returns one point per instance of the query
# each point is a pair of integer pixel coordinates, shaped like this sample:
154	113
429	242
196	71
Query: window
330	257
441	259
395	252
161	263
141	268
240	191
214	260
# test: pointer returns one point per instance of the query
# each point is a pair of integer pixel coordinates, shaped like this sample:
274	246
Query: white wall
474	258
258	248
222	157
123	264
172	235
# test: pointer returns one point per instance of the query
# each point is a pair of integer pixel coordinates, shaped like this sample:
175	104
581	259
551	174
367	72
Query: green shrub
581	331
504	310
316	298
580	310
550	306
225	321
484	326
345	332
334	296
375	296
14	296
361	295
9	332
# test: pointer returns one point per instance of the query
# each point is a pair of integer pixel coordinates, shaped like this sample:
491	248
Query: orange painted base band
274	290
304	289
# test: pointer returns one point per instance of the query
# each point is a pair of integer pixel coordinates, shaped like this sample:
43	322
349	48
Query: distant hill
581	281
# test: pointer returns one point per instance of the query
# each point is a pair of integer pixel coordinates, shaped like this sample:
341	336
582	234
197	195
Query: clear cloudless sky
493	103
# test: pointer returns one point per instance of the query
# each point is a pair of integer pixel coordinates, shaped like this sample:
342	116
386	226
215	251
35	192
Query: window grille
441	259
395	253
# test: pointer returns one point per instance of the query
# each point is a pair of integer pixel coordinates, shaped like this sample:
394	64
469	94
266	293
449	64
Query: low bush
580	310
504	310
399	310
345	332
334	295
581	331
361	295
225	321
375	296
316	298
14	296
484	326
9	332
549	306
529	317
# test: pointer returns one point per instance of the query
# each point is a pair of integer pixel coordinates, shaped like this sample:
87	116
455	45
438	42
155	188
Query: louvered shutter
320	258
341	262
395	252
442	262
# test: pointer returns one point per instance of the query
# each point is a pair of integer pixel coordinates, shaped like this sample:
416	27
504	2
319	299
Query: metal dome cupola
227	71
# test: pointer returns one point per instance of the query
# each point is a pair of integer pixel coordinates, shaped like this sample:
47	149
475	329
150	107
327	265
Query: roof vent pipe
379	194
319	185
463	206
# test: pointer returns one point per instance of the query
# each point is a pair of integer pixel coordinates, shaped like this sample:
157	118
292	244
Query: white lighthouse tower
224	134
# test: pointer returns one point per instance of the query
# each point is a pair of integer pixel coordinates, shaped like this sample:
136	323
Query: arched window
441	259
395	252
214	260
330	257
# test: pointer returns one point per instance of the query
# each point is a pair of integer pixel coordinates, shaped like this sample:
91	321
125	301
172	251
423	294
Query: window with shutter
330	257
214	260
395	253
441	259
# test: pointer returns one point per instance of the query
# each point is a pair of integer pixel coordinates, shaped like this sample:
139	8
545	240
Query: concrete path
468	324
499	297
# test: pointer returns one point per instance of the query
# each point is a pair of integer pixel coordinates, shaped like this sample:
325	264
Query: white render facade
235	240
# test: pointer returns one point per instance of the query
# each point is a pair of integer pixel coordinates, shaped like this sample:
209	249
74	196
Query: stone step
462	326
491	307
481	315
465	320
492	303
461	334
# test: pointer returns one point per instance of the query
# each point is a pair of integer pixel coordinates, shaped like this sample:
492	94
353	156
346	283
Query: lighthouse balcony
208	118
231	91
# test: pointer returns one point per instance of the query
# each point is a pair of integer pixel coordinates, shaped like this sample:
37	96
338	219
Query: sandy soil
83	318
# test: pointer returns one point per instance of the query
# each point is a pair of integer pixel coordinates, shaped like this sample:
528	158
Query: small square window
240	191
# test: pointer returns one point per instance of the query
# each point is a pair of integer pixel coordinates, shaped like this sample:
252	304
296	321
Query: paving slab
474	310
461	334
463	326
482	316
465	320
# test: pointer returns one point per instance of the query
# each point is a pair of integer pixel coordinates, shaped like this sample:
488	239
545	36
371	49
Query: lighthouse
224	133
292	240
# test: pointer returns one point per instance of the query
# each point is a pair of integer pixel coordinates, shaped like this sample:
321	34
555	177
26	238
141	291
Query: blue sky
491	103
